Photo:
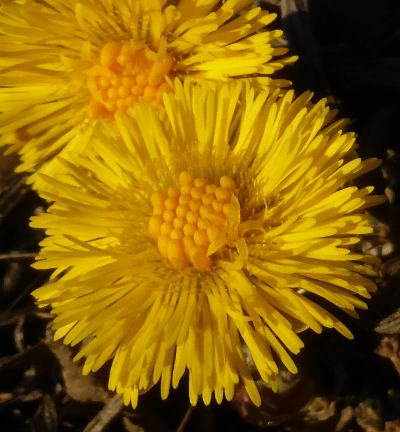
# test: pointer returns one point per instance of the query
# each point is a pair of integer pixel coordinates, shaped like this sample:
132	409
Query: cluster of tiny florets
188	219
126	73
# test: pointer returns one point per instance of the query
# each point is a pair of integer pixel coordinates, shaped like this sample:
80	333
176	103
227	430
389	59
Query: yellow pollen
191	220
125	73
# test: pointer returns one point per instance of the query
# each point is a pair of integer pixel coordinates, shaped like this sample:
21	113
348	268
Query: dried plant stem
16	256
185	419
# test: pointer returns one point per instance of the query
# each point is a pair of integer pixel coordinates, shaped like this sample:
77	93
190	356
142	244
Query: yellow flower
187	238
67	63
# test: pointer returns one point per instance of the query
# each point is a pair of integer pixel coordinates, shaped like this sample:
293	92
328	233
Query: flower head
187	238
67	63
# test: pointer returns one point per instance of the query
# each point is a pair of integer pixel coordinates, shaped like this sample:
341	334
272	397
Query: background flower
187	237
66	63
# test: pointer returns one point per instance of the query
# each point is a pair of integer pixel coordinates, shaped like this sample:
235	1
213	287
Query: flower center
192	222
124	73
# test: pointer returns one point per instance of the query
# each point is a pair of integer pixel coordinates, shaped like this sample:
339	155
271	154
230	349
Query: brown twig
185	419
110	410
16	256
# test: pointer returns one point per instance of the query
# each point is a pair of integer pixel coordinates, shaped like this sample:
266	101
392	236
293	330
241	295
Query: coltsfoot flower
67	63
184	240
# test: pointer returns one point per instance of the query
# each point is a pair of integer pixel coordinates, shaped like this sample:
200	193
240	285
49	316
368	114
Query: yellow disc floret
124	73
192	222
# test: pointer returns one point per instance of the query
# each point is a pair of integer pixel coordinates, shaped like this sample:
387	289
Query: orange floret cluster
193	221
124	73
